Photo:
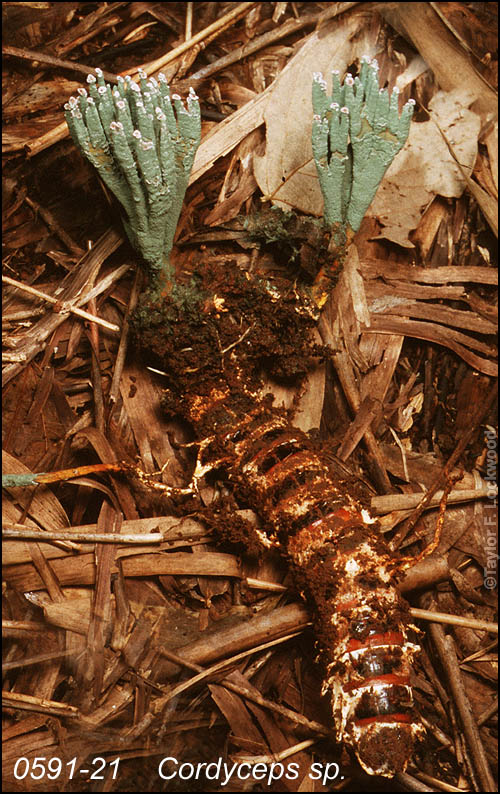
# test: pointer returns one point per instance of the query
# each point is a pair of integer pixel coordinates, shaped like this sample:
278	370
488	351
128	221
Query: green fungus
356	134
142	141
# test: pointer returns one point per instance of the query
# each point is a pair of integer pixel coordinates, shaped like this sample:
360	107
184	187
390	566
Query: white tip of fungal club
98	71
344	110
146	145
120	79
374	64
121	104
137	134
316	117
82	91
142	74
192	93
91	78
176	96
334	106
335	71
102	90
162	78
349	79
116	126
411	102
365	59
395	90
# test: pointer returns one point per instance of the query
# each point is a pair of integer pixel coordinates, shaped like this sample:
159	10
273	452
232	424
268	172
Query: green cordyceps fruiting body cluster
142	141
356	134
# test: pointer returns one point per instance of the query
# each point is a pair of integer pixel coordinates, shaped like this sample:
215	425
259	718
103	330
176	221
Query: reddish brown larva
343	567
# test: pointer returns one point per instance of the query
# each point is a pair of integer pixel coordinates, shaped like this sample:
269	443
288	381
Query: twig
18	700
72	288
54	226
407	501
42	57
215	28
270	37
445	472
21	532
46	477
122	347
188	34
454	620
446	648
34	660
344	371
64	307
95	369
204	673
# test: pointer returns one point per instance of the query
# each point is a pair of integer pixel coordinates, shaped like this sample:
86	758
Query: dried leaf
426	168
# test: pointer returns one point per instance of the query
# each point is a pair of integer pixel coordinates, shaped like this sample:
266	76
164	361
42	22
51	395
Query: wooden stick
42	57
65	307
215	28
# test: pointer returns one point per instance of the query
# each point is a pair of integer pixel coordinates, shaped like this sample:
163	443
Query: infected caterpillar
340	563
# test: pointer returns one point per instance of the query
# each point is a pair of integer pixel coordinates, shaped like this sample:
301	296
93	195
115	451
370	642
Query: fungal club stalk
357	132
142	141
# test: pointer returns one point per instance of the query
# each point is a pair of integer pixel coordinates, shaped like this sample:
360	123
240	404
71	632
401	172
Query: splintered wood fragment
438	334
174	533
80	570
448	656
441	478
229	133
39	659
386	504
19	531
183	564
437	313
64	307
252	46
373	268
235	639
22	625
454	620
210	31
16	700
42	57
72	290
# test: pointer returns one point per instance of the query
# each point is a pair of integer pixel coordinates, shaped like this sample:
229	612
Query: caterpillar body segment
342	566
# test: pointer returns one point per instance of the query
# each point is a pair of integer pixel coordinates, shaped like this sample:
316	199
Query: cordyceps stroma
217	334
